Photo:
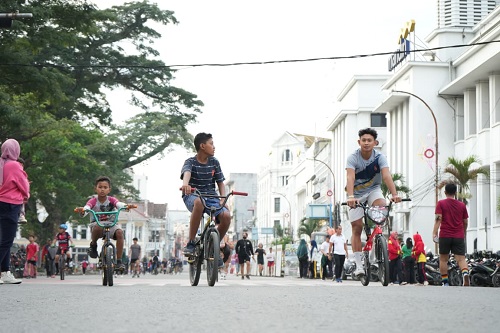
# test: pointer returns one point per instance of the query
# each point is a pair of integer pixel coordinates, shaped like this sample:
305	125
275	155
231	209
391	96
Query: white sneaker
8	278
426	283
359	271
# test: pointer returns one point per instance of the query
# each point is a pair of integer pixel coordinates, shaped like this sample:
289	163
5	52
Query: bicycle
207	243
107	259
378	215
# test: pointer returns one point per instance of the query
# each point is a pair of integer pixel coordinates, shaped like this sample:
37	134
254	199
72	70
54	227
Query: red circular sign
329	193
429	153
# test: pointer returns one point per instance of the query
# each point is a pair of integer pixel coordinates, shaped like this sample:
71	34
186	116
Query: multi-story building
242	208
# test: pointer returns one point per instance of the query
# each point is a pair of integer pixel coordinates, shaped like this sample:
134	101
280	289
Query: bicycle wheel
62	267
383	260
365	279
213	254
195	266
109	265
104	273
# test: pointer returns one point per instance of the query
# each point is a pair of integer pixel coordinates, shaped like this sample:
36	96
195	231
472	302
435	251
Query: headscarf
302	249
10	152
394	235
313	246
409	243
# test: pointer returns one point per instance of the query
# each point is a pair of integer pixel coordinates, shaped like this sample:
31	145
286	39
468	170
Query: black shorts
243	259
132	261
260	261
453	245
227	253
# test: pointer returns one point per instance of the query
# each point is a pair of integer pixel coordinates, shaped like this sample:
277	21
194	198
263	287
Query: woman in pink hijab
14	189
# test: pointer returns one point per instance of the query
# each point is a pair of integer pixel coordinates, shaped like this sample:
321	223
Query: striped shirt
203	176
368	172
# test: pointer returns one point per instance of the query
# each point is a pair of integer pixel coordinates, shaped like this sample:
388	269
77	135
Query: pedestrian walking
244	249
395	267
303	256
326	258
338	245
270	262
260	257
408	262
85	264
451	223
14	191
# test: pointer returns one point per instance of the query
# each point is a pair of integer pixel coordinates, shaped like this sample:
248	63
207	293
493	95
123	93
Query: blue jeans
9	215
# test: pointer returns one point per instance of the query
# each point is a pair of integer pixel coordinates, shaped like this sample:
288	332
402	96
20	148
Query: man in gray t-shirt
135	255
366	168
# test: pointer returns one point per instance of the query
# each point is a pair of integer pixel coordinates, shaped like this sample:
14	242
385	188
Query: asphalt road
167	303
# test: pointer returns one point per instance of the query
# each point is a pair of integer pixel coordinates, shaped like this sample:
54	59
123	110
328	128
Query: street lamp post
290	230
436	153
334	191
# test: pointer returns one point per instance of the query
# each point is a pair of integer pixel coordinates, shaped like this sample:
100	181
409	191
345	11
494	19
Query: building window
276	205
378	120
283	180
286	157
75	233
83	233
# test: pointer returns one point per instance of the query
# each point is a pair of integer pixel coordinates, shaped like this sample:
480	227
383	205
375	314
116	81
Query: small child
105	203
31	258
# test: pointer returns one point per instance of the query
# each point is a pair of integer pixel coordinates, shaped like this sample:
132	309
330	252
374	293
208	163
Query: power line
45	65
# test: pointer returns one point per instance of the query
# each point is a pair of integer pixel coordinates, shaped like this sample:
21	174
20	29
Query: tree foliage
57	70
308	226
461	173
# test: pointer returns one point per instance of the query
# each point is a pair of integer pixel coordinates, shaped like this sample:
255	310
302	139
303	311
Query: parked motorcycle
433	273
349	267
482	273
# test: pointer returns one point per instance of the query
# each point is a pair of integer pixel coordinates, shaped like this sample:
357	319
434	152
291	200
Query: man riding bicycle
63	238
366	168
202	172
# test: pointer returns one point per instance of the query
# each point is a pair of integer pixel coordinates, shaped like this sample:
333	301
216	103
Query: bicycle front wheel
109	265
195	266
365	279
62	266
213	254
383	260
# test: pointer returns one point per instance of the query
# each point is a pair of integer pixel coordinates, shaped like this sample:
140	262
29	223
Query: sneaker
248	277
243	277
446	284
92	251
403	283
22	219
8	278
426	283
189	249
466	280
391	284
359	271
419	284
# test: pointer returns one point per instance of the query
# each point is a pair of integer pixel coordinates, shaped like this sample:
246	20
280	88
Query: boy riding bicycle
366	168
104	203
202	172
63	239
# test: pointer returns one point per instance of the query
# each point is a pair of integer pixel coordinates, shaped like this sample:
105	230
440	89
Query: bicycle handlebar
225	197
362	205
96	215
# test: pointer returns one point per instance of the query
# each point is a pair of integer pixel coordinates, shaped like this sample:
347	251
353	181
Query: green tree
399	182
461	173
56	70
307	227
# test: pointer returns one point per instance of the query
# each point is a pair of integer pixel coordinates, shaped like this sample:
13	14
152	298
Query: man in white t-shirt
339	244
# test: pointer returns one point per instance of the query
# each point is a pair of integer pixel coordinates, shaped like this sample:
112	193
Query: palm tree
399	182
307	227
462	173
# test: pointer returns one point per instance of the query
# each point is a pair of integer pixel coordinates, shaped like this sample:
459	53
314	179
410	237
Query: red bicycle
378	216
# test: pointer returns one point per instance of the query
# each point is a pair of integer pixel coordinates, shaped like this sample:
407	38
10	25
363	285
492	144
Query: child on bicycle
202	172
104	203
63	239
366	168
